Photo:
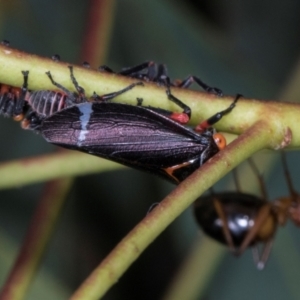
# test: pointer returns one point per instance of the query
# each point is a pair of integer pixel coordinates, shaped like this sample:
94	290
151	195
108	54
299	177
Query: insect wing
132	135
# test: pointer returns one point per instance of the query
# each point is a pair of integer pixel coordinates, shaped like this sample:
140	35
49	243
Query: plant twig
131	247
203	105
36	240
197	270
46	167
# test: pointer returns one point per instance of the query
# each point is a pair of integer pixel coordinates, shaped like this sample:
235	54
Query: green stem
36	241
197	271
46	167
203	105
131	247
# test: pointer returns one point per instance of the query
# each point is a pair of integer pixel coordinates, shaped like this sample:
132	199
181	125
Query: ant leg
110	96
261	182
288	207
288	177
261	259
216	117
262	216
226	232
189	80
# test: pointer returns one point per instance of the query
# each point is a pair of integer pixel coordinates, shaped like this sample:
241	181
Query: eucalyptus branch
247	112
38	236
131	247
51	166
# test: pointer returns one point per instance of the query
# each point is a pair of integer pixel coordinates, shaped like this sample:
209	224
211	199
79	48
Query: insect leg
260	259
183	117
66	91
288	177
152	71
226	231
19	108
261	218
189	80
150	66
110	96
260	179
135	71
78	88
217	117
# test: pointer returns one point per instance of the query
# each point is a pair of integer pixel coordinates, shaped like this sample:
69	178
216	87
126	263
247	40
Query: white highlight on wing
86	110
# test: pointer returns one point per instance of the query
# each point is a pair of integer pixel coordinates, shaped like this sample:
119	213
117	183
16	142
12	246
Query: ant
241	220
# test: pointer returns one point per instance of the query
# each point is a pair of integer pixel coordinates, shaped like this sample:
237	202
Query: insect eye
220	140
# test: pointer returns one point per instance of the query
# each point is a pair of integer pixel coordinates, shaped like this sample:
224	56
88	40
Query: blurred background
247	47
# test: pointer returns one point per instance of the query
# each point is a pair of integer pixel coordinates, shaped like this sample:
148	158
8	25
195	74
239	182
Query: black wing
132	135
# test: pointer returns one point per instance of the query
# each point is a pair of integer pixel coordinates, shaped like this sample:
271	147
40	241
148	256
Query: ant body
241	220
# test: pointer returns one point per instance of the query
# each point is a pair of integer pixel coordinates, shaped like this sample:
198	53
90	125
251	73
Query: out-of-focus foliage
249	47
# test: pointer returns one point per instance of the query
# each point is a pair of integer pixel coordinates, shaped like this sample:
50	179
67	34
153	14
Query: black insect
136	136
154	72
31	107
145	138
45	103
241	220
16	102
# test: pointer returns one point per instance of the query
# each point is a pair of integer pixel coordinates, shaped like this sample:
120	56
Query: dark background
248	47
